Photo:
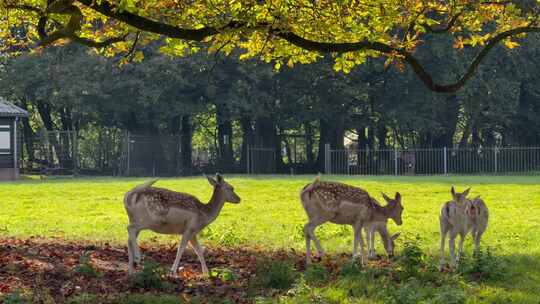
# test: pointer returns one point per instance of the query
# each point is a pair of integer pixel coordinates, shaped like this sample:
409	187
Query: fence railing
496	160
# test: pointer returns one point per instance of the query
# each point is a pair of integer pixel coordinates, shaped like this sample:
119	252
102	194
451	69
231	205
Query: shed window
5	139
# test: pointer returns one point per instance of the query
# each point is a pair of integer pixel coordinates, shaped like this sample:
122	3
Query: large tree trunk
330	133
186	135
28	134
266	137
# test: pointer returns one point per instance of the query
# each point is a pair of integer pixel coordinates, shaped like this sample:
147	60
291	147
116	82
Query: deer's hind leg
444	231
309	234
134	254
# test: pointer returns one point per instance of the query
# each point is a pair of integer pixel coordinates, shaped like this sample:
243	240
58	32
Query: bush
411	259
275	274
85	268
482	266
225	274
84	298
150	277
351	269
14	298
151	299
450	295
316	274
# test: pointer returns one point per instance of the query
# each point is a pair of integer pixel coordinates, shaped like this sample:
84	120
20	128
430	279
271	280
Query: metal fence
148	155
54	153
261	160
496	160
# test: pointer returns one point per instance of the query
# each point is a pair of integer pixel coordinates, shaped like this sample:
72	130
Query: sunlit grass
271	216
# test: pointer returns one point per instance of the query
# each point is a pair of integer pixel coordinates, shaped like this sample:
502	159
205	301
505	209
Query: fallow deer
387	239
343	204
169	212
459	216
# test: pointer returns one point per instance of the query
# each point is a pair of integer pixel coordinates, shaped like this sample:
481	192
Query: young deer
459	216
387	239
169	212
343	204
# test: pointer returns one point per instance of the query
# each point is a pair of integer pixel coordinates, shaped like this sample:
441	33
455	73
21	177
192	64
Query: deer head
459	197
228	191
390	245
395	208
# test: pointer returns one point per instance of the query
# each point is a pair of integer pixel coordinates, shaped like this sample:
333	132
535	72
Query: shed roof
8	109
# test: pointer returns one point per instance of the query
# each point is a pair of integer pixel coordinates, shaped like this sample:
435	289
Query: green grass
271	216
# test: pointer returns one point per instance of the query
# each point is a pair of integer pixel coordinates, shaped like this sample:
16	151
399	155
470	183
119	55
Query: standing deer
343	204
169	212
459	216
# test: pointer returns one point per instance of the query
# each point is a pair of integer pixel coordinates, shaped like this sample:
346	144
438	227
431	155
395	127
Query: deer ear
317	178
398	197
453	191
466	192
211	180
219	178
395	236
386	198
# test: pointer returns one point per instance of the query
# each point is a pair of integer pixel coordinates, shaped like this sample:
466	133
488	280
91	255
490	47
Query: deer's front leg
452	247
359	239
199	252
188	235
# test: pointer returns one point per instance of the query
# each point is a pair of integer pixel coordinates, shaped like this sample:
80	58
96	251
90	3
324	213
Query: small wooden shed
9	145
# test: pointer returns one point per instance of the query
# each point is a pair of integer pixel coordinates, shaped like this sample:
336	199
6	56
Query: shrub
449	295
351	268
316	274
150	277
275	274
84	298
482	266
14	298
151	299
85	268
411	259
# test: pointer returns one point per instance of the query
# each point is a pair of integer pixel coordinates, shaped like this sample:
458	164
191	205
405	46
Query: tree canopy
285	32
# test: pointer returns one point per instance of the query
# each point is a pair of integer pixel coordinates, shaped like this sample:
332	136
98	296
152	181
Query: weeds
150	277
278	275
15	298
85	268
316	274
483	266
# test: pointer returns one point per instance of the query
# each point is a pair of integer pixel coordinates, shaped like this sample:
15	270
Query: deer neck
215	204
381	214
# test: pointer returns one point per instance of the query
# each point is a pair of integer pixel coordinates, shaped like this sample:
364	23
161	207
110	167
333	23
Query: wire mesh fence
261	160
500	161
148	155
54	153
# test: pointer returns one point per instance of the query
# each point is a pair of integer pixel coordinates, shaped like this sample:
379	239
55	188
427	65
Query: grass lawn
270	216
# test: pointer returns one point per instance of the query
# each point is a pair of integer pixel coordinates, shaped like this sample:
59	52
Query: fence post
395	162
75	152
495	152
327	168
445	161
247	158
128	165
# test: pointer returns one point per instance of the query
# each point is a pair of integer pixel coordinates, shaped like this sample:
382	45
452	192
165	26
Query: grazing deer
343	204
169	212
387	239
459	216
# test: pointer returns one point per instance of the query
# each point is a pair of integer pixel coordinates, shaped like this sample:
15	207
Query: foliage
282	32
15	298
85	268
484	266
150	277
275	274
316	274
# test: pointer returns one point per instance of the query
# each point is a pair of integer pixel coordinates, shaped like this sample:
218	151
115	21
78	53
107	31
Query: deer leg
188	235
310	229
444	232
371	243
460	249
133	232
308	244
359	239
138	255
199	252
452	245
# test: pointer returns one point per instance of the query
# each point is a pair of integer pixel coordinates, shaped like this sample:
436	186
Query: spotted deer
347	205
459	217
169	212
